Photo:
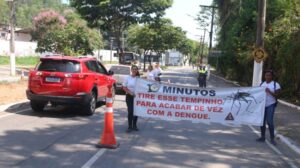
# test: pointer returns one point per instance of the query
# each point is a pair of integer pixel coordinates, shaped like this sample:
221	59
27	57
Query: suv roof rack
49	55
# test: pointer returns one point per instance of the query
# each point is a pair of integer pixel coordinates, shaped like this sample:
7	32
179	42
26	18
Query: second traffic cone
108	139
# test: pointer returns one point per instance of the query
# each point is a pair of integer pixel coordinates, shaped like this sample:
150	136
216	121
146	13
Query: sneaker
135	129
129	130
261	139
273	142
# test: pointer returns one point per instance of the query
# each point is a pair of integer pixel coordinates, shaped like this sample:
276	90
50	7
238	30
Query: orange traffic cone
108	139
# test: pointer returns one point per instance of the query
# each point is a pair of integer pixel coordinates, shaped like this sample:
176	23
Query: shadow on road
49	111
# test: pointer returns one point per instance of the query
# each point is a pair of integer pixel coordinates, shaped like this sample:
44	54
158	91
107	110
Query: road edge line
13	113
7	106
277	151
93	159
289	143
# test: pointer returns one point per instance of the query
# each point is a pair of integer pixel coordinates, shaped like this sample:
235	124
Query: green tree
167	36
160	36
47	31
186	48
69	35
27	9
237	40
4	12
115	16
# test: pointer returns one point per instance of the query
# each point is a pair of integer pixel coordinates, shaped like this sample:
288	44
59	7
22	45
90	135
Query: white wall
23	37
174	58
104	55
21	48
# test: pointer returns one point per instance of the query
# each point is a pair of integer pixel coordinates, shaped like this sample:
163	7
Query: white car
120	73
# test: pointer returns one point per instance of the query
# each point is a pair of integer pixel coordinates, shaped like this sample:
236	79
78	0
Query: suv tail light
34	79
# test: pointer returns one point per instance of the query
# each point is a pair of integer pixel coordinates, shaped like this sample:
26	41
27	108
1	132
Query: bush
4	60
21	61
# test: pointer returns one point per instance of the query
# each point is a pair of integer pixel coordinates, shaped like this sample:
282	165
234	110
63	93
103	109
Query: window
92	66
102	70
120	70
59	66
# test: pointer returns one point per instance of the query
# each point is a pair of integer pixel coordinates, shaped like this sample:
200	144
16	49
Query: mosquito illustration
238	98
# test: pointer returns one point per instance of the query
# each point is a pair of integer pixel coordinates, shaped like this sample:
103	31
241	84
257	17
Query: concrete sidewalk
6	77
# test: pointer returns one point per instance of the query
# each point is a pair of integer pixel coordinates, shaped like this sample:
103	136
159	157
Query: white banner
238	105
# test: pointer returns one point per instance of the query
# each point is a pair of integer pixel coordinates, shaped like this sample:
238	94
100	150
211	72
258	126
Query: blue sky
179	14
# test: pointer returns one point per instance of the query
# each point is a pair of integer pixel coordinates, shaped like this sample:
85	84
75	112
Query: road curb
289	143
284	139
10	105
289	104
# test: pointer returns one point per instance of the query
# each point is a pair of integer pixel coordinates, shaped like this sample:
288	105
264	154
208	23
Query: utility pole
258	67
211	24
111	46
12	37
203	45
200	47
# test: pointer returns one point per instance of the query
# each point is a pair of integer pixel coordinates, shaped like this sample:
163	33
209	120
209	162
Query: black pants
202	81
132	120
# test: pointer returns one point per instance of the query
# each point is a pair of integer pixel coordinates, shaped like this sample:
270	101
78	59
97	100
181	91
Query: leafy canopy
115	16
68	35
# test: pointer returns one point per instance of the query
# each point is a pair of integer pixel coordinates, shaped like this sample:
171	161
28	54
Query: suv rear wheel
89	109
37	106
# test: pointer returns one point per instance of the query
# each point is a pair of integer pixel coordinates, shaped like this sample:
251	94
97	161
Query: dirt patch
12	92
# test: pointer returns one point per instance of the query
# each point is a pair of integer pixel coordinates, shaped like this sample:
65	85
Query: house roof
5	27
25	30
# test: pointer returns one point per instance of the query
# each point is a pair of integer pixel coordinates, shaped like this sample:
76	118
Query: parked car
65	80
120	73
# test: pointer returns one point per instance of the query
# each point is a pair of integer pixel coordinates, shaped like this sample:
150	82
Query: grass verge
21	61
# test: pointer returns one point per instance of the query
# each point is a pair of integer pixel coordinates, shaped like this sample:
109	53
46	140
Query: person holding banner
150	74
272	91
157	72
129	87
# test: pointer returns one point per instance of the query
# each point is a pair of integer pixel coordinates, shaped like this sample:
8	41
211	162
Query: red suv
65	80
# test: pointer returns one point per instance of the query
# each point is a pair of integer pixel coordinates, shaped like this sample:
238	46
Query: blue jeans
268	117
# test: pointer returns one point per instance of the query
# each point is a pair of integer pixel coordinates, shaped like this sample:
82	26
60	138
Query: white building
25	47
174	58
106	55
23	44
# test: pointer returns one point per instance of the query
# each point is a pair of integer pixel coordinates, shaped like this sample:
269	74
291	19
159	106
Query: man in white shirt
150	74
157	72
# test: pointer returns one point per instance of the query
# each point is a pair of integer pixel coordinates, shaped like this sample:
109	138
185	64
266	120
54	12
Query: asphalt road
62	137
